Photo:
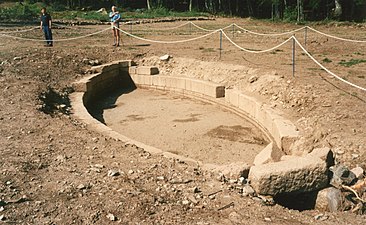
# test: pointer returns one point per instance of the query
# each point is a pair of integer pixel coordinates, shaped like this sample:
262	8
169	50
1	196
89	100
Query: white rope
166	42
254	51
204	29
338	38
173	28
57	40
324	68
18	31
273	34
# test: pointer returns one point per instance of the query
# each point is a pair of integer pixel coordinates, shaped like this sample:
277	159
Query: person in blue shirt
115	17
46	25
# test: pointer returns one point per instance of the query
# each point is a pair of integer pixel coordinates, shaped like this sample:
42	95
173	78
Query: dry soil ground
55	171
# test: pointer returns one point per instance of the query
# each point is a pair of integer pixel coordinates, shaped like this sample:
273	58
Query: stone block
147	70
159	81
110	67
294	176
232	97
267	155
132	70
329	199
249	105
177	83
146	80
233	170
325	154
197	86
213	90
285	134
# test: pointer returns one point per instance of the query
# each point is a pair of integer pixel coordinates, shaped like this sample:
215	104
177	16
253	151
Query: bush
27	12
290	14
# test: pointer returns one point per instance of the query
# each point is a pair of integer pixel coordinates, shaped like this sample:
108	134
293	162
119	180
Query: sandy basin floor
184	126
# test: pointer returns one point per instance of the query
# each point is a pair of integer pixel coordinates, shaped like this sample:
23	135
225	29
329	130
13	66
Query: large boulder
295	175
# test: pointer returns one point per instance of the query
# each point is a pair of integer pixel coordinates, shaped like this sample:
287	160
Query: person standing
115	17
46	26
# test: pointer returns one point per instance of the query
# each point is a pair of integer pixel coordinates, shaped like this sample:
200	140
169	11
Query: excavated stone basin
192	120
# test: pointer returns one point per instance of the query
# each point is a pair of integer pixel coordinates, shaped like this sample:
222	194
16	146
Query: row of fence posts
233	35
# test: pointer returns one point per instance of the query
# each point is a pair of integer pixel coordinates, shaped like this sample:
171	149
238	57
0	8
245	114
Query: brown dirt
185	126
61	167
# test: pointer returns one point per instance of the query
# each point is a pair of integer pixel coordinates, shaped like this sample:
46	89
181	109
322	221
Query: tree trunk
300	11
190	5
148	4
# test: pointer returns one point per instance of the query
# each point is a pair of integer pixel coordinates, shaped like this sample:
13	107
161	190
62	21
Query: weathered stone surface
341	175
359	172
147	70
295	175
267	155
329	199
325	154
132	70
234	170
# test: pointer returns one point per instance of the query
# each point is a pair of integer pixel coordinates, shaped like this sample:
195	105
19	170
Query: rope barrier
324	68
204	29
166	42
57	40
18	31
263	34
254	51
173	28
335	37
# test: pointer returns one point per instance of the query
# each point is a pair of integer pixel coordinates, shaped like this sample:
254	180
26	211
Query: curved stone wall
124	74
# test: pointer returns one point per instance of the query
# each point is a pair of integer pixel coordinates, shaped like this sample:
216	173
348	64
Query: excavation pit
189	119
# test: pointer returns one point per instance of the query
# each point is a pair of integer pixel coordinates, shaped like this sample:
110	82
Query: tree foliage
353	10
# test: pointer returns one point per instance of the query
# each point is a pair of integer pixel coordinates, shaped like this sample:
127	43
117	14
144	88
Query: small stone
8	182
355	156
193	200
81	187
94	62
161	178
2	208
248	191
17	58
267	219
99	166
113	173
165	58
359	172
196	190
2	218
341	176
252	79
321	217
130	172
339	152
111	217
185	202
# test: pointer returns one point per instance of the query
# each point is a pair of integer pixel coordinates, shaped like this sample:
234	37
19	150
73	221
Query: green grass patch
351	62
326	60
